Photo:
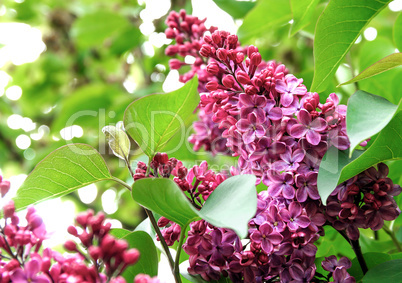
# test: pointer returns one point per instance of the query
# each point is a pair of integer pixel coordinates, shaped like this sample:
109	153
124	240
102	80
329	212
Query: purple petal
284	213
275	238
281	86
260	131
288	192
275	114
319	124
313	137
295	209
246	100
266	246
298	155
249	136
286	99
256	236
303	221
310	249
301	194
313	192
41	279
304	117
298	131
274	189
300	90
243	125
19	276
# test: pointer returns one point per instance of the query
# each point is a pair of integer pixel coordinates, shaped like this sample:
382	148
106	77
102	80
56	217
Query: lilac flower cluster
338	269
259	112
363	201
99	259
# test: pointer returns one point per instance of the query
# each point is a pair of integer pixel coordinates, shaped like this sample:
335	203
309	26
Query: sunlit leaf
266	14
302	11
118	141
61	172
372	259
337	29
367	114
148	261
385	64
153	120
398	32
237	9
92	29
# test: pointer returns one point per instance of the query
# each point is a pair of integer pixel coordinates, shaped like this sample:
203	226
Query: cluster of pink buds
101	259
102	247
259	112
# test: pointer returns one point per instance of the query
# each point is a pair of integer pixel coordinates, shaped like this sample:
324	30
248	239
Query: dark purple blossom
267	237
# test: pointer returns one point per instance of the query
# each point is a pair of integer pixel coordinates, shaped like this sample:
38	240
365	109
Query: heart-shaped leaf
337	29
148	261
61	172
153	120
118	141
367	114
231	205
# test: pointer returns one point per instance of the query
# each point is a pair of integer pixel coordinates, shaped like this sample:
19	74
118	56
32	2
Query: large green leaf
237	9
367	114
398	32
389	271
267	14
372	259
148	261
61	172
337	29
337	167
330	170
302	11
385	64
153	120
232	204
92	29
164	197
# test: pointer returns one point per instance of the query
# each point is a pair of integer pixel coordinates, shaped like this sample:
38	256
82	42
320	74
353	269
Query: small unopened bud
175	64
131	256
243	77
70	246
107	242
251	49
163	221
170	33
221	54
171	50
35	221
9	209
228	81
4	187
255	58
72	230
212	85
95	252
213	68
205	50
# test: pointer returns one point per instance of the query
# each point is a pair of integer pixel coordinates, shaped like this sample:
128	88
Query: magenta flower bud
131	256
242	77
175	64
82	218
45	264
72	230
212	86
216	38
207	39
9	231
171	50
70	246
142	278
120	245
250	89
12	265
213	68
221	54
239	57
163	221
255	58
95	252
182	172
4	187
232	39
161	158
170	33
205	50
35	221
250	50
9	209
228	81
107	242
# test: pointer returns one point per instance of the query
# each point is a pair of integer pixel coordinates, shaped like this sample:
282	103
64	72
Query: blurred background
68	68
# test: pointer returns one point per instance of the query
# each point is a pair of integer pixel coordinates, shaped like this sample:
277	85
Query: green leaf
92	29
164	197
367	114
148	261
337	167
257	21
237	9
127	40
337	29
118	141
231	205
330	170
397	32
302	11
389	271
153	120
385	64
372	260
61	172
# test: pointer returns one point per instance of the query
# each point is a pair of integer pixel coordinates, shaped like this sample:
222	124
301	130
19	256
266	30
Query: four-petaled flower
267	237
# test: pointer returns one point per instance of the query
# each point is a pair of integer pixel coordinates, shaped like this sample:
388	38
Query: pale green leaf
153	120
118	141
64	170
397	32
